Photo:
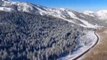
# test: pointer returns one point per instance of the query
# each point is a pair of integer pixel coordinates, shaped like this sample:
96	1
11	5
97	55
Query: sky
79	5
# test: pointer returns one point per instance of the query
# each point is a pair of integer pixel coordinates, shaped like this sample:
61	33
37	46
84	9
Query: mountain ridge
43	10
65	14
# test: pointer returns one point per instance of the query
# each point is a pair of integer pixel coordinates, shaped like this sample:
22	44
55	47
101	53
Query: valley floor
99	52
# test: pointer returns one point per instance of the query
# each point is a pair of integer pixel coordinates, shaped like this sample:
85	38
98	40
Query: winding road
99	50
77	58
81	52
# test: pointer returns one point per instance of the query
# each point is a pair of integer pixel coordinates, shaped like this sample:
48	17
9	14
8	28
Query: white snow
87	24
86	42
89	13
102	14
59	13
6	9
72	14
21	6
24	7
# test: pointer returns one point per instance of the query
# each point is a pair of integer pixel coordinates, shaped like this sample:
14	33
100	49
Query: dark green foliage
26	36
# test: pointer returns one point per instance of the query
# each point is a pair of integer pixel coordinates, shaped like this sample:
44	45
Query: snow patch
6	9
87	24
72	15
102	14
89	13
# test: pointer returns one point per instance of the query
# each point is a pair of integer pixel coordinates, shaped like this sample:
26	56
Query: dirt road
99	52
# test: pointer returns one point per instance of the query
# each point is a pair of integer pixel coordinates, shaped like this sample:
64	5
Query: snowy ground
86	42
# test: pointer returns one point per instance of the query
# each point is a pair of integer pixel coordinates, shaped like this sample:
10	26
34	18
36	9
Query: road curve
89	48
99	52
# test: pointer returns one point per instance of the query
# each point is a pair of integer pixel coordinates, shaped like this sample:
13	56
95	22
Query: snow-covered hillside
85	43
65	14
35	32
90	13
101	14
87	19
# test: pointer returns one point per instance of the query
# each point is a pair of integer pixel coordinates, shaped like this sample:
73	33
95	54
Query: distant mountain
89	13
81	19
101	14
87	19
